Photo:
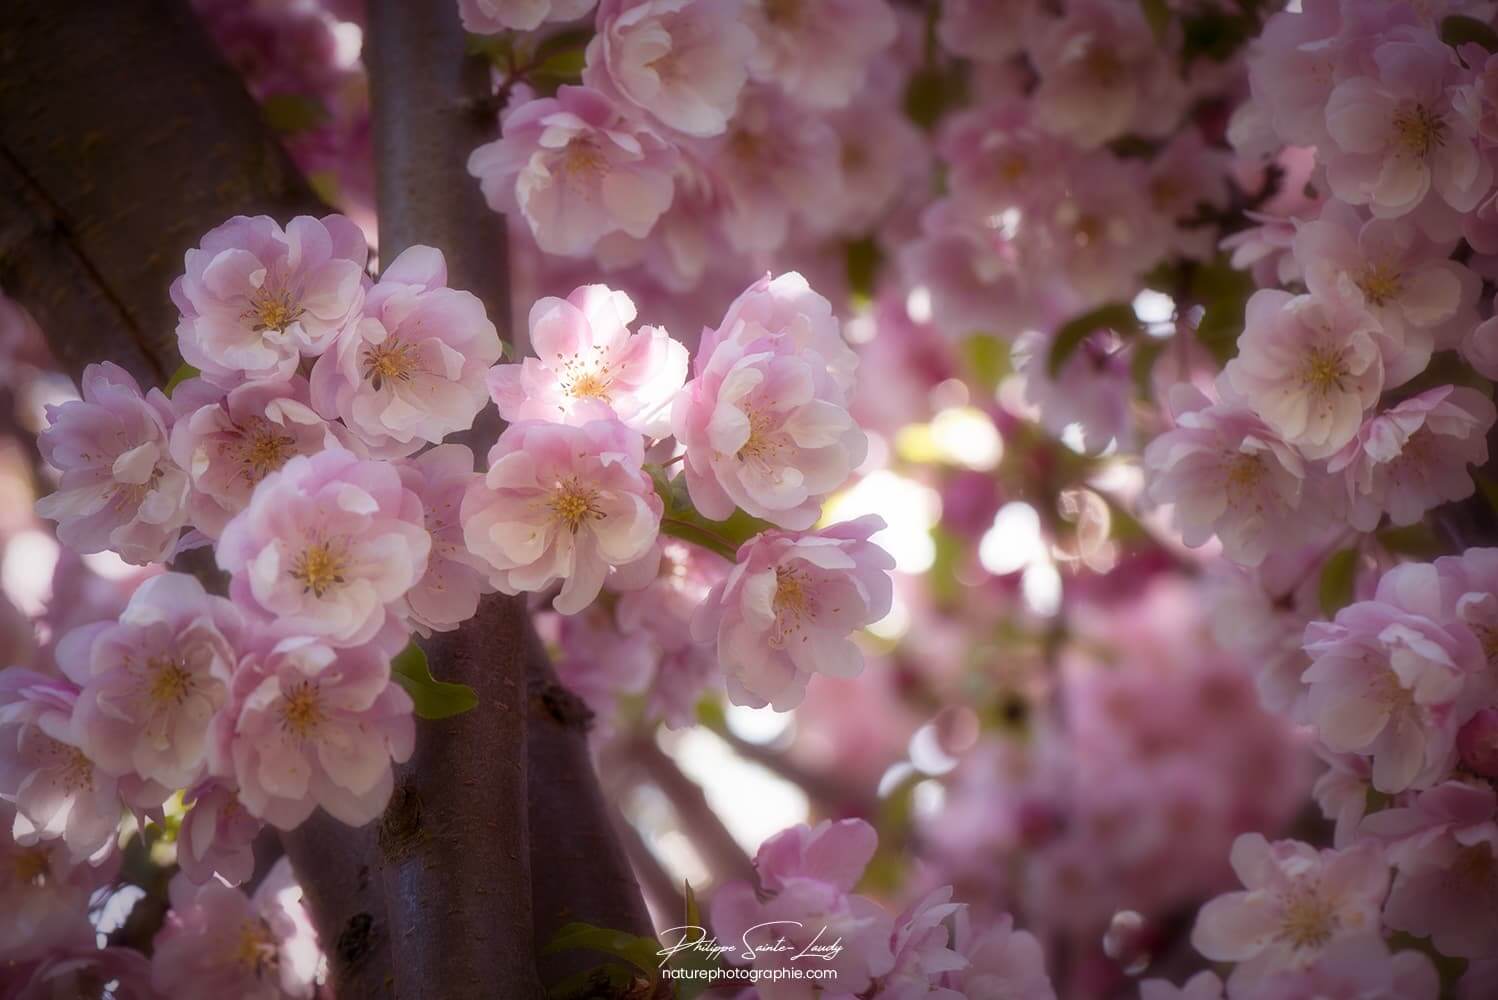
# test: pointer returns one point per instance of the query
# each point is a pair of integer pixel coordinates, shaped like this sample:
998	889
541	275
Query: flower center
1244	472
1380	283
762	444
584	158
301	712
319	568
273	309
793	604
1308	920
1103	67
1014	167
572	503
77	770
255	948
391	361
170	683
1323	371
264	449
1419	130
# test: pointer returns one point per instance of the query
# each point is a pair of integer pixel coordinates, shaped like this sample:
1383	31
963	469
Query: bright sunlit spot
1014	541
26	570
910	511
753	803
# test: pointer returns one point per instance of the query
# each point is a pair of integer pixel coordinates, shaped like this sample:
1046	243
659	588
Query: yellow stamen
320	568
572	503
391	361
170	683
300	711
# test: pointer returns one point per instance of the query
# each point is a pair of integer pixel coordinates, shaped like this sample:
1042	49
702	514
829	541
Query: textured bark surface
123	138
579	869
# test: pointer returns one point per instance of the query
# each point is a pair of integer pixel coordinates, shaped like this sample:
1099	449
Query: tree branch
123	102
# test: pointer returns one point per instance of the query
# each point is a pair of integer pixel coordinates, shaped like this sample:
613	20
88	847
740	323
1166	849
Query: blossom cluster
803	904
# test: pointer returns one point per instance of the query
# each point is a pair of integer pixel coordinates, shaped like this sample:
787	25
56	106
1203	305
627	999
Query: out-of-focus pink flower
590	366
602	664
806	877
1342	793
227	443
56	789
327	547
1414	456
448	593
987	30
309	726
998	156
217	835
681	61
1310	367
562	504
1188	176
576	170
1389	681
881	156
79	970
789	607
1203	986
817	51
1295	903
1003	961
1480	347
1093	388
1226	473
770	168
1103	73
257	297
490	17
1397	138
1353	967
46	894
411	370
153	680
765	422
120	489
217	943
1445	847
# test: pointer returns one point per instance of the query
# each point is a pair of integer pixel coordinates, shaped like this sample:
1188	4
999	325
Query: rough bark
456	861
124	139
580	871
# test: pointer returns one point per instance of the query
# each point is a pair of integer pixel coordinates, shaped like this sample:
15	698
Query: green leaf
641	952
434	699
608	980
1338	577
293	112
182	374
863	259
681	520
1116	316
987	359
1458	30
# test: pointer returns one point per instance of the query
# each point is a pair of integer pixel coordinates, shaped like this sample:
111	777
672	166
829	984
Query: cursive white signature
694	938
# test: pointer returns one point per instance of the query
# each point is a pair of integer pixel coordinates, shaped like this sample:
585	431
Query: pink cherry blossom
155	679
1445	847
1398	275
309	726
590	366
998	156
769	168
58	792
1003	962
601	664
1310	367
448	593
924	950
79	970
1469	597
119	489
562	504
1389	681
328	546
227	443
881	155
1100	236
681	61
1414	456
1296	902
1203	986
1397	138
217	943
988	30
411	370
217	835
1103	73
490	17
1225	473
1480	347
576	170
1353	967
256	297
788	609
806	876
764	421
46	894
817	51
1093	388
